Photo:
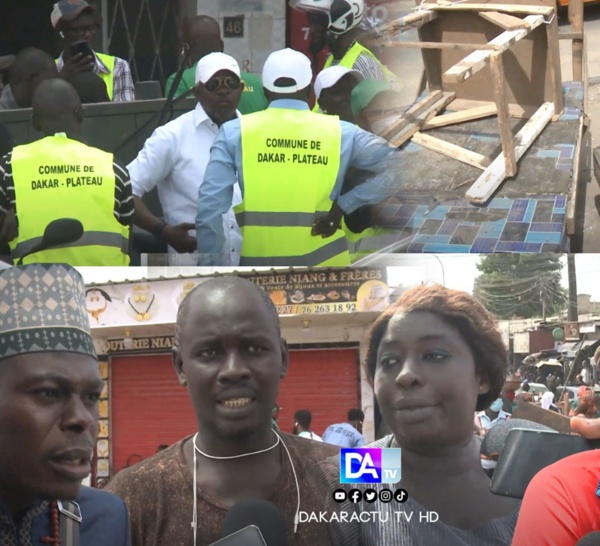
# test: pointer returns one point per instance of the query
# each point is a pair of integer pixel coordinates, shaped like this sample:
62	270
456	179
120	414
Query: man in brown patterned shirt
230	355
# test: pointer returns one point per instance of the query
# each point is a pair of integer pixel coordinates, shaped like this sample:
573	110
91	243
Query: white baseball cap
212	63
330	76
287	63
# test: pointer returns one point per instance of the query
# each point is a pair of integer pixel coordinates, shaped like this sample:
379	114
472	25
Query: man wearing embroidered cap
174	159
77	22
290	164
49	390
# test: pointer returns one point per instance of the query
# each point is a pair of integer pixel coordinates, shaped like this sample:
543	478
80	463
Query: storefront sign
140	345
325	291
521	343
571	330
587	328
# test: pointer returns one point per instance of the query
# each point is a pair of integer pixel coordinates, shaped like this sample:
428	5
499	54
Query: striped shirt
123	89
367	66
123	210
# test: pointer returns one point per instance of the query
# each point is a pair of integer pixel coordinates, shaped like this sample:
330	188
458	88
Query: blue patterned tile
541	237
448	227
500	203
442	248
438	213
484	245
554	154
492	230
546	227
529	213
426	239
517	211
534	247
503	246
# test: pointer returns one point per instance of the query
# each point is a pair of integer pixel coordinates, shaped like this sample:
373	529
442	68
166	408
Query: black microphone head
61	232
494	441
591	539
263	514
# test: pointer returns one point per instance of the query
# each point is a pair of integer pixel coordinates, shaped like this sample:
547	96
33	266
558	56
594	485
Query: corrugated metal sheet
150	408
325	382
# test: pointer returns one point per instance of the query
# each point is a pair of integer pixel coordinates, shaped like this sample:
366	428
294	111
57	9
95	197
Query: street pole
573	314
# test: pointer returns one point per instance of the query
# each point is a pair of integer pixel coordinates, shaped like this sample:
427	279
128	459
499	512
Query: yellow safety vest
290	161
349	59
109	79
57	177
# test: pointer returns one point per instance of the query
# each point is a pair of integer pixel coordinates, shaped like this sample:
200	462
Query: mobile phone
83	48
526	452
248	536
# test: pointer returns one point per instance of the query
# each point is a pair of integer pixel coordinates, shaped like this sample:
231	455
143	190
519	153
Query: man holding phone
77	23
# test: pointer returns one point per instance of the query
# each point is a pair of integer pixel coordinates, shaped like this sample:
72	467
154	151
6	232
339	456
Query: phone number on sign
316	308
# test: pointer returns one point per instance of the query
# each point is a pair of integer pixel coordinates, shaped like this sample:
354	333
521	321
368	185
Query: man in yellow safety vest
345	18
61	177
77	22
290	164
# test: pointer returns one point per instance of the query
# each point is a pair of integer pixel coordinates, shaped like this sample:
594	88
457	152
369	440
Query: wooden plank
485	186
477	60
462	116
571	211
537	414
503	20
566	35
441	45
576	19
506	134
451	150
516	111
412	113
504	8
400	138
413	20
555	71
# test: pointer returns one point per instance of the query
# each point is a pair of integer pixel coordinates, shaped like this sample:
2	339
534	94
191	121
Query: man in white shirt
492	416
303	418
347	434
174	159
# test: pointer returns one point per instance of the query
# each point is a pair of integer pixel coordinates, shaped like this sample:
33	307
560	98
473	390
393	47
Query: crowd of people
434	357
251	176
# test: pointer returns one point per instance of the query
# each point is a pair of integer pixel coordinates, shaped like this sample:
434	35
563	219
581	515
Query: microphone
591	539
245	518
494	441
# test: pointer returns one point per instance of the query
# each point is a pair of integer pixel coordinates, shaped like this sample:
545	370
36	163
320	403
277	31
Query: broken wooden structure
512	71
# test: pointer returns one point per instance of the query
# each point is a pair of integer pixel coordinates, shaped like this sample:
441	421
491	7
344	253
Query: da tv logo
370	465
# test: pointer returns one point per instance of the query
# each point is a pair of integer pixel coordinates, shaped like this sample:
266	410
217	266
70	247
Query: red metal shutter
148	408
325	382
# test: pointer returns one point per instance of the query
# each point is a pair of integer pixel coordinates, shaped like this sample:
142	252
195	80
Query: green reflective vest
57	177
290	161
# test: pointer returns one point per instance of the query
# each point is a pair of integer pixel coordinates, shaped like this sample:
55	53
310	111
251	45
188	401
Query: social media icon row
370	495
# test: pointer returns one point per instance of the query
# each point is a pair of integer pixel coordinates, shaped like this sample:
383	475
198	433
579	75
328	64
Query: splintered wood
492	177
477	60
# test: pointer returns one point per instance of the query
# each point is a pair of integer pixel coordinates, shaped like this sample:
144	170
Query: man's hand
9	229
328	225
76	65
178	237
588	428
